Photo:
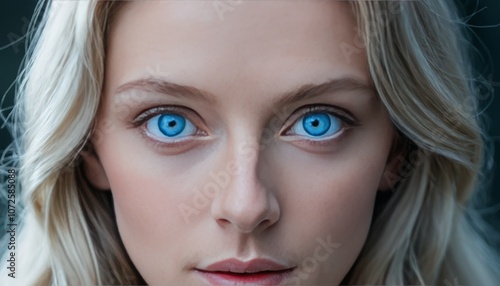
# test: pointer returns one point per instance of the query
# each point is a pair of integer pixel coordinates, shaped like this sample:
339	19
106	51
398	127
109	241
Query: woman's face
241	141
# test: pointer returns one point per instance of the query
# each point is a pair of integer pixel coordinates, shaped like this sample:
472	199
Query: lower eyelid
321	146
151	136
179	144
302	138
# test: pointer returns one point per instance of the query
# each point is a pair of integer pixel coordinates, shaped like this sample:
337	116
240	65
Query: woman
247	142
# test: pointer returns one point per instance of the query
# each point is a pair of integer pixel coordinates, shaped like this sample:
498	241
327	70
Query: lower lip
259	278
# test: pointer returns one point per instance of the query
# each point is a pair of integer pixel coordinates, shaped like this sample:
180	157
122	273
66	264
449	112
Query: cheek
147	191
332	197
340	202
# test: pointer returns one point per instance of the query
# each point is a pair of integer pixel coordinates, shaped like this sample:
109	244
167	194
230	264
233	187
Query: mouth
253	272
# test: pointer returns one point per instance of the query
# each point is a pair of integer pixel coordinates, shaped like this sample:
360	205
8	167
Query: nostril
265	223
223	222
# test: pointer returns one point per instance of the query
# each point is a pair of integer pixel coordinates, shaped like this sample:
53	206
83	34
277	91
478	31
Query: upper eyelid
338	111
343	115
149	113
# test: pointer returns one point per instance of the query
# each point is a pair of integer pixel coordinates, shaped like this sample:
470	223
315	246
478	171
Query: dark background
483	17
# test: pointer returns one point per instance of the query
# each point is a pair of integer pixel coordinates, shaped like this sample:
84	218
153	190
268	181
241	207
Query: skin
281	194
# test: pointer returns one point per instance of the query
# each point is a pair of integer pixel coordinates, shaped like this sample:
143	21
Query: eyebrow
162	86
331	86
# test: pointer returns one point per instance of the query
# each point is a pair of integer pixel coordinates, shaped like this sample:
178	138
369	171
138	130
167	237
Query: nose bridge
246	203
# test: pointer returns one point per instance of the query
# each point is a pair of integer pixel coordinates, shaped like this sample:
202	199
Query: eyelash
347	121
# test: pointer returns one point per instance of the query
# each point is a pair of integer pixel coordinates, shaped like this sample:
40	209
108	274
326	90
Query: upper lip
252	266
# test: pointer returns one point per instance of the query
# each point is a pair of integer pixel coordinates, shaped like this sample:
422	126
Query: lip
253	272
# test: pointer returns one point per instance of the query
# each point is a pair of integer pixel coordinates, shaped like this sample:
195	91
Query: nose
246	204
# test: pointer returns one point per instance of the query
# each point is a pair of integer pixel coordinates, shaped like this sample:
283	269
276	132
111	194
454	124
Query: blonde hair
424	234
428	231
68	230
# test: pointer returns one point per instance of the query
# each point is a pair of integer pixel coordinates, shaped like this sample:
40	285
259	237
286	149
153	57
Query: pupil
315	123
172	123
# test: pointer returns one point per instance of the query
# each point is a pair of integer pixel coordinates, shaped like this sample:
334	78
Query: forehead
212	43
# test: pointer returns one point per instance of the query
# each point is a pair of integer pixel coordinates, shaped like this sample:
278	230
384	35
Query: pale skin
283	192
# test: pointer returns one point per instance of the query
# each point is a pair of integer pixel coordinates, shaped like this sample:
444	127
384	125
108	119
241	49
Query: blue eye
317	125
171	126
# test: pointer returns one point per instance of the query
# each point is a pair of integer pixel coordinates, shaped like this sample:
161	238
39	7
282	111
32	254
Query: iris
171	124
317	125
